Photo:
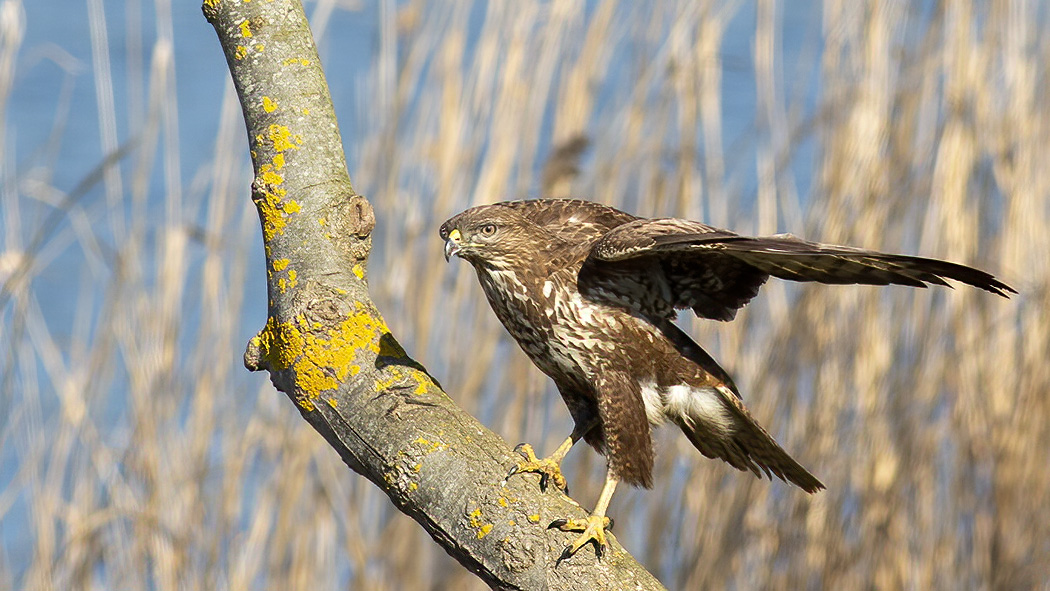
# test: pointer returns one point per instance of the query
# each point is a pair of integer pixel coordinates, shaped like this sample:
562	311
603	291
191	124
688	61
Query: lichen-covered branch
327	347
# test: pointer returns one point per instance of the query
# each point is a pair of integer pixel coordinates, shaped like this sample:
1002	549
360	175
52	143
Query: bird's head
498	236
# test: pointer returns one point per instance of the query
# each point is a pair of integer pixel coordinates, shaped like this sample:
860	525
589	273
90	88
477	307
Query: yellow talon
549	469
593	528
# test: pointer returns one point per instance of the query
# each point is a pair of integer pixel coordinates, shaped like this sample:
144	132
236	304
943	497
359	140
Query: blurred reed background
137	453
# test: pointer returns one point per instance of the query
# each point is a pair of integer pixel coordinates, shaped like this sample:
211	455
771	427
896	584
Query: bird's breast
563	331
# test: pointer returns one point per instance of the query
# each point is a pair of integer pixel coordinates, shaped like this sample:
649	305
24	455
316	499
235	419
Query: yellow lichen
412	486
270	176
534	518
395	374
240	52
291	281
246	28
320	361
476	522
273	206
271	211
433	445
358	270
269	105
279	135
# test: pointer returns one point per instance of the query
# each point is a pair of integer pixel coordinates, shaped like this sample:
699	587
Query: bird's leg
548	468
593	526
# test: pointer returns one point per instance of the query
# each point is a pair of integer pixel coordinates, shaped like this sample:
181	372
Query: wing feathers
788	257
687	264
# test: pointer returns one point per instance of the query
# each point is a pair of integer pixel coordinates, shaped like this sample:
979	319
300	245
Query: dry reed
138	454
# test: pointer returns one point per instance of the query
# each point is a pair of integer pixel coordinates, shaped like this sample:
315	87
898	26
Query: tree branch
327	347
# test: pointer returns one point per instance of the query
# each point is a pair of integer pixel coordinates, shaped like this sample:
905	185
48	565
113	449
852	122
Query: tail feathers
746	446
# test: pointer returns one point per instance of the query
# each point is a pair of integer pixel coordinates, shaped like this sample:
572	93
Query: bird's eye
488	229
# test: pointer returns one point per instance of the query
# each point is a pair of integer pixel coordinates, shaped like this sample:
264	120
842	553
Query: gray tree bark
327	347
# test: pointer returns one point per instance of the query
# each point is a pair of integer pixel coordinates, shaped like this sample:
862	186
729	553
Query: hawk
591	293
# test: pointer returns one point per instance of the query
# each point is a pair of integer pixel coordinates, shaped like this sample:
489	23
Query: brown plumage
590	293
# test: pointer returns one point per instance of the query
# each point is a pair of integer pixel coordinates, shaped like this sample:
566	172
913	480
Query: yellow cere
320	362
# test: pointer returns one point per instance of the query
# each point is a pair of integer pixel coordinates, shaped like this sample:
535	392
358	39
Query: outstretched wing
655	267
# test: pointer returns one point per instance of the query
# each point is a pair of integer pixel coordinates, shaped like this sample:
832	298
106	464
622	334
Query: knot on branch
352	222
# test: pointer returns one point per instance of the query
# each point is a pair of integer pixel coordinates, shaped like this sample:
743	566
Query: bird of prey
591	294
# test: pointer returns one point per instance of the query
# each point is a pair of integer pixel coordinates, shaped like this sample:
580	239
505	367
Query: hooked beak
452	244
